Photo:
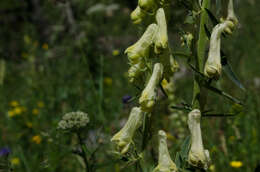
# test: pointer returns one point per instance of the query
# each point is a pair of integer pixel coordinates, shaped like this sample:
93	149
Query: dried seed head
165	163
148	97
141	48
198	157
123	138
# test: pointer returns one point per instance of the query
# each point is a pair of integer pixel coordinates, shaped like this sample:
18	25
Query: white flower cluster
73	121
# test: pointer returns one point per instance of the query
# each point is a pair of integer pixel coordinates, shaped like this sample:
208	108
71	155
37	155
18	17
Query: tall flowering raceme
152	66
148	58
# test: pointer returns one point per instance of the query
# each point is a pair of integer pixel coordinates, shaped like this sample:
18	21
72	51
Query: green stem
198	101
84	150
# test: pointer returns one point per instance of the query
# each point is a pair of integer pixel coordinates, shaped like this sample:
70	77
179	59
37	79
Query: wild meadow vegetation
136	85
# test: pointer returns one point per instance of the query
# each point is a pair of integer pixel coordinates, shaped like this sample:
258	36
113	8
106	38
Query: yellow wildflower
29	124
40	104
10	113
17	110
36	139
212	168
15	161
45	46
236	164
108	81
14	103
35	111
115	52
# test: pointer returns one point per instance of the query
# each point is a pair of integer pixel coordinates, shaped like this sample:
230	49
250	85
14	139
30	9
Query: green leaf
185	147
213	19
219	115
178	160
231	75
222	93
207	31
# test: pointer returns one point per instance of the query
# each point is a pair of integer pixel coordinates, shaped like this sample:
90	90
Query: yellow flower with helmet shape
198	156
123	138
165	163
148	96
141	48
161	39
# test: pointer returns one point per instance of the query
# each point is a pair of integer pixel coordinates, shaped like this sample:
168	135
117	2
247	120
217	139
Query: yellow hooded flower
213	65
148	97
161	39
137	15
198	156
123	138
165	163
141	48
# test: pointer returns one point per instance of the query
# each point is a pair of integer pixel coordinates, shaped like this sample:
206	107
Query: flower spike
141	48
148	97
165	162
123	138
198	156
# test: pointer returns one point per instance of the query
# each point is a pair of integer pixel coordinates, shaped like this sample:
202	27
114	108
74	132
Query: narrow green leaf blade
213	19
232	76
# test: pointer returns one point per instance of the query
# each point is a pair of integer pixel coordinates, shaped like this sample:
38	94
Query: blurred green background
59	56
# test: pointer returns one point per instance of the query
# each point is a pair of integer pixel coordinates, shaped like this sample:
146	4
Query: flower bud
161	39
165	163
148	5
135	71
137	15
141	48
148	97
123	138
213	65
198	157
169	63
